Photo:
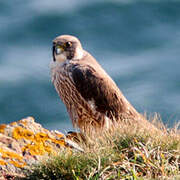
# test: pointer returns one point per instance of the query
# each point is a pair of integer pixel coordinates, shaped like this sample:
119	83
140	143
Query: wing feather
92	86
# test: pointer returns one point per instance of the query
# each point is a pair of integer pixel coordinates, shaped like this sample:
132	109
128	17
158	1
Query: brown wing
92	86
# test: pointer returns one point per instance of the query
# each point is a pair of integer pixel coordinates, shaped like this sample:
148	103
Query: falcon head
66	47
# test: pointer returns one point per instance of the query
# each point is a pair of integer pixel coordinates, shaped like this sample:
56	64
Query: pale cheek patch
79	53
60	58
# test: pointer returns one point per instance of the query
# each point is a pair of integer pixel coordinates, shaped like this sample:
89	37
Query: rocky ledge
25	142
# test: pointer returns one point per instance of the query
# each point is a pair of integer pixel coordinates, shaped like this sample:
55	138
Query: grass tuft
126	152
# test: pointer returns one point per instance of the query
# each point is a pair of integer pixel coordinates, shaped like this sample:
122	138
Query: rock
25	142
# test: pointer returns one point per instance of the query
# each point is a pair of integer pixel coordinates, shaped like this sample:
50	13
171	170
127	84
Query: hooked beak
57	49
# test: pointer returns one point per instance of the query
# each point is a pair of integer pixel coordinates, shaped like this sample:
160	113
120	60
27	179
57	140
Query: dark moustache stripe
53	50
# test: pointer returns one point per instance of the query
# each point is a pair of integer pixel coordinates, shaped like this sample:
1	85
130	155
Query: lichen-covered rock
24	142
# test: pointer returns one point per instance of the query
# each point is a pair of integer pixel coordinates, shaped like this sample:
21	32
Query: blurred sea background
136	41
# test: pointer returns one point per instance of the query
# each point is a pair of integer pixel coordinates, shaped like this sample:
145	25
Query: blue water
137	43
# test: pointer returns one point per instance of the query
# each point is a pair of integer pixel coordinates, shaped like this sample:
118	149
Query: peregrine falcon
92	98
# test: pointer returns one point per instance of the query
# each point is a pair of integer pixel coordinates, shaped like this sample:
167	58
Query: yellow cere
58	46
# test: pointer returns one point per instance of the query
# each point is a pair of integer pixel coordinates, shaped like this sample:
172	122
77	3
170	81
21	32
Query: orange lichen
23	122
31	143
3	163
60	135
17	164
11	155
38	148
15	159
2	127
40	143
22	133
60	142
41	137
13	123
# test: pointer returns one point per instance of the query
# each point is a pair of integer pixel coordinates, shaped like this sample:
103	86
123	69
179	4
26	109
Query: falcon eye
68	44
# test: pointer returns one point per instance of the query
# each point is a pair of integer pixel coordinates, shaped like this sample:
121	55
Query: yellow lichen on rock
24	142
11	155
39	145
24	122
41	137
60	142
2	162
13	123
18	164
22	133
2	127
37	148
60	135
14	158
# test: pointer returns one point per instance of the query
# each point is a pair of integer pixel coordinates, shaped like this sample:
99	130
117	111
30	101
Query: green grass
126	152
